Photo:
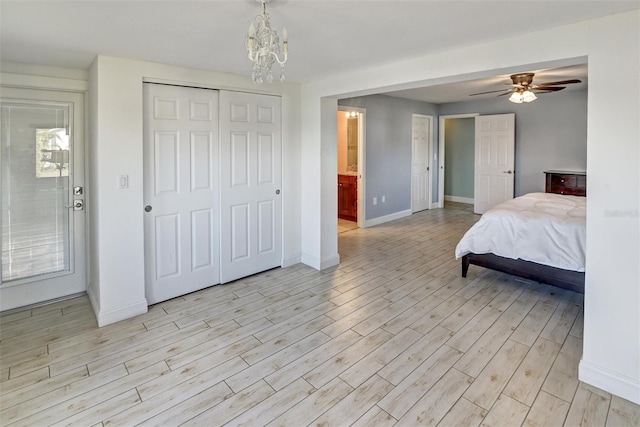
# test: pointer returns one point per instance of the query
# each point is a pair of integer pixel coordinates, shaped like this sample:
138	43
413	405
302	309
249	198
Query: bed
538	236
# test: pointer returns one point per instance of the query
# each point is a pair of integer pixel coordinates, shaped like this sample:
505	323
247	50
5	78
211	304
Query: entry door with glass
42	201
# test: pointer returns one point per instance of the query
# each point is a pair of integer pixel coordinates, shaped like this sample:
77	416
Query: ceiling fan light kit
263	47
523	90
522	96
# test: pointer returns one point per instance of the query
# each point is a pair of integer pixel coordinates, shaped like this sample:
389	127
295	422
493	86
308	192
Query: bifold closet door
250	184
181	196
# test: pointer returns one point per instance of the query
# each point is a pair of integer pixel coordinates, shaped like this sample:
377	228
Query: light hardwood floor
394	336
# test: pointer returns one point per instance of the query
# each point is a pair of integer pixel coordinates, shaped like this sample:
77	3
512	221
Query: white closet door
181	212
250	183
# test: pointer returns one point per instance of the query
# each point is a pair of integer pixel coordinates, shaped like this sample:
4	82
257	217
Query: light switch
123	181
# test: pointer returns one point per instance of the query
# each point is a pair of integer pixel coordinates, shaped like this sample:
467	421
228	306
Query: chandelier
263	46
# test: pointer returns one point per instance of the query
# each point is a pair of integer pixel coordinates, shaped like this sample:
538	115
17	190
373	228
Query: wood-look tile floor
394	336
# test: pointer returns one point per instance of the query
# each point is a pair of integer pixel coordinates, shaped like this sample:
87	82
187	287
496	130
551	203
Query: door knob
77	205
509	172
148	208
277	191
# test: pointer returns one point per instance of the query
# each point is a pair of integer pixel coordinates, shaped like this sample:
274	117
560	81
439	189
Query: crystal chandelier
263	46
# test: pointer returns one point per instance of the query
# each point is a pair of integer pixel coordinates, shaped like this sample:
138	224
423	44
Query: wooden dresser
348	197
566	182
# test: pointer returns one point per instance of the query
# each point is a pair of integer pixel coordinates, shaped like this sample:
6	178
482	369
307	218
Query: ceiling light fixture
263	46
522	95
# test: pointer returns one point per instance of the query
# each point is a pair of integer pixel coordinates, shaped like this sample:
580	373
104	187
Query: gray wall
459	145
551	133
388	150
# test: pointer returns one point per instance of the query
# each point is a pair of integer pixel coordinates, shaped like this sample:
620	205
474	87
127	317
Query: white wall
611	357
117	148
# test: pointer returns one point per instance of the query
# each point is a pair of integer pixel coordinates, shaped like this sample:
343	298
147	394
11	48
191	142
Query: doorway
42	205
351	167
455	162
476	159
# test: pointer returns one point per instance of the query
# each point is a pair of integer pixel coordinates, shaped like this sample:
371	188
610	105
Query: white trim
318	264
42	82
612	382
362	163
429	156
330	262
113	316
386	218
291	260
468	200
441	151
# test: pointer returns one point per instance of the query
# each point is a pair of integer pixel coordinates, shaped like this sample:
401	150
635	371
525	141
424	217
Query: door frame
362	165
27	291
441	151
429	156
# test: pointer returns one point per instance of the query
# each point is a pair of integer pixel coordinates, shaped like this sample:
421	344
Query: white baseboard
612	382
93	300
291	260
466	200
386	218
112	316
330	262
319	264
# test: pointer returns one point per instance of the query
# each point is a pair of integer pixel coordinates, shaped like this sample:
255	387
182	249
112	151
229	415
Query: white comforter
546	228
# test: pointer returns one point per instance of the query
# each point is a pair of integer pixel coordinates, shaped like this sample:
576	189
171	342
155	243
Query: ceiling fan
523	89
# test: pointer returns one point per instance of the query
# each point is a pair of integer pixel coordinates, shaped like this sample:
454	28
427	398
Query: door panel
420	162
251	206
181	188
42	160
494	161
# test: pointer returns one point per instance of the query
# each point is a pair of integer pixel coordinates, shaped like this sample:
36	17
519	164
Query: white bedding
545	228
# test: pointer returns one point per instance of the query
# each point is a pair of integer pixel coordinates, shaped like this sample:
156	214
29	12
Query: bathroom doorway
350	168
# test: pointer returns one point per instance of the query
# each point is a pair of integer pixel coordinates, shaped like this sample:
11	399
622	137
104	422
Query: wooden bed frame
571	280
559	182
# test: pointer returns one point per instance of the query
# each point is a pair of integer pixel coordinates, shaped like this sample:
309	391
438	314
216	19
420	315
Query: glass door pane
35	152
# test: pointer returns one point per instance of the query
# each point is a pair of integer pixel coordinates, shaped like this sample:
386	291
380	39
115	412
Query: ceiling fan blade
491	91
506	93
563	82
547	89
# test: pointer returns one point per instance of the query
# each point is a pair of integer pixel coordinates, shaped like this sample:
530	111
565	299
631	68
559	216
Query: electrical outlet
383	199
375	200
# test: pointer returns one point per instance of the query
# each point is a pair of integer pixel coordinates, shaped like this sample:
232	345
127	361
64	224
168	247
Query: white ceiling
461	91
326	37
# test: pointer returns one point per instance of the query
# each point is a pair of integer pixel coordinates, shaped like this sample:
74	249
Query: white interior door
494	161
181	217
421	149
251	205
42	160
